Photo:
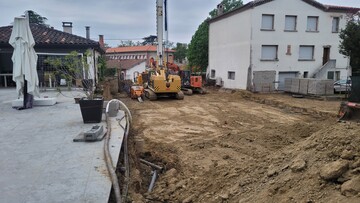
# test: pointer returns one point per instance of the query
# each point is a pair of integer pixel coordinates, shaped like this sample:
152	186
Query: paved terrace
39	162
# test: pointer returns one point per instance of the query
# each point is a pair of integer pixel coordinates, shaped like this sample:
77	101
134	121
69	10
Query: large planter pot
91	110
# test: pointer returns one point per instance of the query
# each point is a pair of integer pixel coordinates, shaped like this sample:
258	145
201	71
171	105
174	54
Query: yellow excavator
161	83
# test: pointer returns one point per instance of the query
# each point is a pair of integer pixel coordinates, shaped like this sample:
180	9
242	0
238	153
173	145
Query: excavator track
180	95
187	91
150	94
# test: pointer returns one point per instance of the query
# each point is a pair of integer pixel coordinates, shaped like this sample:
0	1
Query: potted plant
74	68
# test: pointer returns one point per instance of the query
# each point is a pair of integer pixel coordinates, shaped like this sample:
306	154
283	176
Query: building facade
127	67
138	53
291	38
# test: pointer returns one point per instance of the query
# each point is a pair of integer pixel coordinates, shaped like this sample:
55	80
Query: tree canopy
198	50
129	43
227	5
350	43
180	53
36	18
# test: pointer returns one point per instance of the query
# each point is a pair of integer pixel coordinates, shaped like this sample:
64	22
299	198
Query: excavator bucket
349	111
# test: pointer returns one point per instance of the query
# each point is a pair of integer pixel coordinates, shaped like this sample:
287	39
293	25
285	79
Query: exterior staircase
328	65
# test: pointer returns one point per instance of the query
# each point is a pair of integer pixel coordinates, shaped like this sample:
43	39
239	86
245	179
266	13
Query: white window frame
309	28
293	27
304	56
265	56
335	25
231	75
264	19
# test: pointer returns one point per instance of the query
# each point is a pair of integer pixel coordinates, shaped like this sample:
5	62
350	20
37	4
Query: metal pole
159	29
153	179
151	164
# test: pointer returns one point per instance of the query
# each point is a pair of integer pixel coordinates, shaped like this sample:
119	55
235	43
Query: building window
269	52
306	74
231	75
306	53
290	23
312	23
333	75
267	22
335	24
330	75
212	75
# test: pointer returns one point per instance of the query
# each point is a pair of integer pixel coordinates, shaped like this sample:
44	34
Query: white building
275	39
127	67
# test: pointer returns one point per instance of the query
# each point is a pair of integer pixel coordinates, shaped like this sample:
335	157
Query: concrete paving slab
37	102
39	162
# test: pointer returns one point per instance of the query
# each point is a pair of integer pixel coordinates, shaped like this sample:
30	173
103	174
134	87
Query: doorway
326	54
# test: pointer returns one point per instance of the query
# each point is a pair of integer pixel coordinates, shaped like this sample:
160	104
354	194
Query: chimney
220	9
67	27
101	41
87	32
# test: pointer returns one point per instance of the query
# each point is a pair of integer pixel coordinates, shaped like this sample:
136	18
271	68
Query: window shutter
312	24
268	52
290	23
335	24
267	22
306	52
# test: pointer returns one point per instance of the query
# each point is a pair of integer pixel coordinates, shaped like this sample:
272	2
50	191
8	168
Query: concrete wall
229	49
264	81
309	86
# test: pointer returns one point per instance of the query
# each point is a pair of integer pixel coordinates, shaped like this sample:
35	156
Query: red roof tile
48	36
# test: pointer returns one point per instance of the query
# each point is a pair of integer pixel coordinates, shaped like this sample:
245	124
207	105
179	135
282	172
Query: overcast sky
122	19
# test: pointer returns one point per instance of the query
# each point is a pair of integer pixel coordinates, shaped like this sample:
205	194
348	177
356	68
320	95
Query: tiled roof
252	4
45	36
124	64
147	48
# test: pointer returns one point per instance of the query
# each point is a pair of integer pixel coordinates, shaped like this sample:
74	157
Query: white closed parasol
24	58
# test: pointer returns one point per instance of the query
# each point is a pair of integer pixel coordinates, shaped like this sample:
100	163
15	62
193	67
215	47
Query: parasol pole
26	95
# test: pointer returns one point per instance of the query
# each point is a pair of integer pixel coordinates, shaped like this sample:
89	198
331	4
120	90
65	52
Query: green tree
227	5
36	18
129	43
350	43
180	53
199	46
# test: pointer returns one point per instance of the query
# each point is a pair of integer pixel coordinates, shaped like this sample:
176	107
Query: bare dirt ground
235	146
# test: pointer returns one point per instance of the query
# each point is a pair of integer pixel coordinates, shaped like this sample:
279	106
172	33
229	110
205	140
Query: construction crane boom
159	30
